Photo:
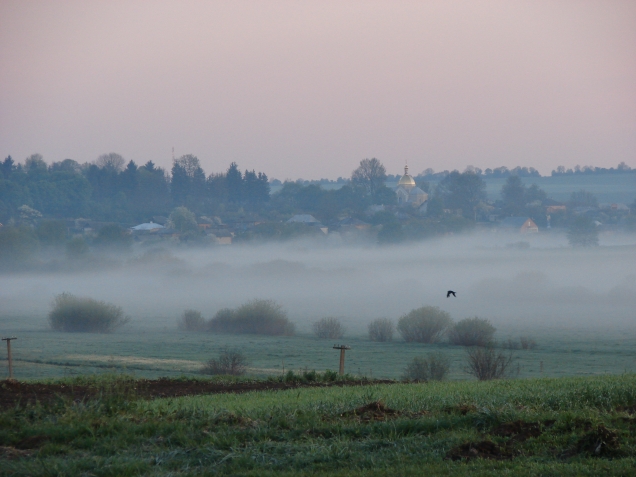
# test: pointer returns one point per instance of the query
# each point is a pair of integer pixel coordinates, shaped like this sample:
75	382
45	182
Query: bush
433	368
527	343
230	361
583	232
524	342
263	317
424	325
486	364
328	328
17	246
381	330
76	314
192	320
510	344
472	332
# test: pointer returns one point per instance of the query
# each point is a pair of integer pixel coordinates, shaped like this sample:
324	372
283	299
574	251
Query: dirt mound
32	442
462	409
13	392
374	411
601	441
520	431
13	453
478	450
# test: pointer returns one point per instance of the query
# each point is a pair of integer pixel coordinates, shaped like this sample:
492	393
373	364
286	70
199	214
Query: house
303	219
222	237
523	225
309	220
147	227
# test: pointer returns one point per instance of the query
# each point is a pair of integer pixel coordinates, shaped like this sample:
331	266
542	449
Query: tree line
112	190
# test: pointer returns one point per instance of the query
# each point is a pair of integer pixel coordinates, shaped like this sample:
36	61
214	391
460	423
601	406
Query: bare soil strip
16	392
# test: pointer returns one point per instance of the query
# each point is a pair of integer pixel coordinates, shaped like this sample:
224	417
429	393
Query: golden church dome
406	181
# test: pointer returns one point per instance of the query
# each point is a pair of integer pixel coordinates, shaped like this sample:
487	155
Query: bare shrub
486	364
77	314
263	317
523	342
510	344
230	361
472	332
527	343
432	368
328	328
191	320
424	325
381	330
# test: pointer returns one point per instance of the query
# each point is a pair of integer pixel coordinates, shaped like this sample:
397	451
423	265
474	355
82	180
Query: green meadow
147	352
566	426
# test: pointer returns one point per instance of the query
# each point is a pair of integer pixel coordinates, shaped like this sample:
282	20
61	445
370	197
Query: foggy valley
546	285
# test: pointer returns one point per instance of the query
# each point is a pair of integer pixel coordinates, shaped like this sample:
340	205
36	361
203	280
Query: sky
308	89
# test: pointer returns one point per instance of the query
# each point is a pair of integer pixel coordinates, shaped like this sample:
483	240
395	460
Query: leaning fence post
342	349
10	359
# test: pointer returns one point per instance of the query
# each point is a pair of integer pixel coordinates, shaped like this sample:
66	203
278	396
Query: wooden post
10	359
342	349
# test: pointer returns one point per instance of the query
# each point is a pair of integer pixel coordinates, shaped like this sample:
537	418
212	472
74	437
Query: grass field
567	426
154	353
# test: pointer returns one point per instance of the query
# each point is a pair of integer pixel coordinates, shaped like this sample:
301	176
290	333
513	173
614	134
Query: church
408	194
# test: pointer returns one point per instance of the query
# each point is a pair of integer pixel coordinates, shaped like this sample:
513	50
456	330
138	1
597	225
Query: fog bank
548	284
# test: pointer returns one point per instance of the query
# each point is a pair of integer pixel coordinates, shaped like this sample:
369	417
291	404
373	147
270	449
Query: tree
330	328
111	161
183	220
486	364
381	330
34	165
191	320
255	187
234	181
67	165
188	182
534	194
17	246
7	167
434	368
513	194
113	236
28	215
263	317
370	174
462	191
384	196
230	362
424	325
76	314
583	232
472	332
583	198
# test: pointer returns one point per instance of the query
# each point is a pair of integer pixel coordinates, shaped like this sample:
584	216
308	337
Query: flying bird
449	293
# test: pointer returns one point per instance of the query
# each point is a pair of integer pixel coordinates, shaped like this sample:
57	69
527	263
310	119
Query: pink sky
309	88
